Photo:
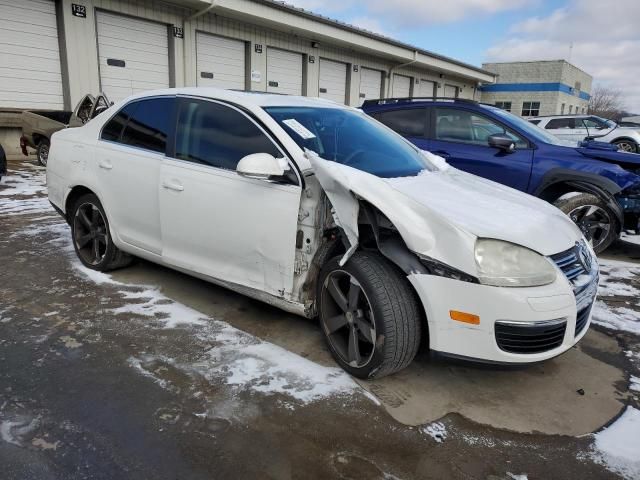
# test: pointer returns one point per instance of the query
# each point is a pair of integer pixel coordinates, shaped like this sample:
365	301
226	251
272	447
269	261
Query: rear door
220	62
460	136
128	159
332	82
566	128
216	222
284	71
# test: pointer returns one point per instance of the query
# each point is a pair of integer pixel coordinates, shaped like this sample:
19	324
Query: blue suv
597	186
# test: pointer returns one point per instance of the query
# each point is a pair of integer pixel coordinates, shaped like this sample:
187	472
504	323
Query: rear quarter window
410	122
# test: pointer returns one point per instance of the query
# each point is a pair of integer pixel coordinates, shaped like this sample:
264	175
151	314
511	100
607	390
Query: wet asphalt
89	393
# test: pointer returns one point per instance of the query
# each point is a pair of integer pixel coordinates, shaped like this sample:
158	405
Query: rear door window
149	124
557	123
409	122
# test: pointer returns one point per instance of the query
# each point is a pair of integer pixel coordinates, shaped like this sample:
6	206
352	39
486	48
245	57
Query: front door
461	137
216	222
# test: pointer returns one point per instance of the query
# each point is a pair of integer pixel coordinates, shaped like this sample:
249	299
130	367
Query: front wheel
91	236
43	152
369	314
625	145
592	215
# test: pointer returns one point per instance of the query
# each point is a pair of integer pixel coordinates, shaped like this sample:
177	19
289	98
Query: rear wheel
43	152
627	145
91	236
369	314
591	214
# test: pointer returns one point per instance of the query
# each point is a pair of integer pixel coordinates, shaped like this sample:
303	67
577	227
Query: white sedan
320	210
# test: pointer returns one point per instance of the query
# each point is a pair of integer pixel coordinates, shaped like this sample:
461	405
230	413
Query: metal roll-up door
30	71
426	88
450	91
220	62
333	80
401	86
133	55
370	84
284	72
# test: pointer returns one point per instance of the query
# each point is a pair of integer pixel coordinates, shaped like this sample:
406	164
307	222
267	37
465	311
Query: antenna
570	51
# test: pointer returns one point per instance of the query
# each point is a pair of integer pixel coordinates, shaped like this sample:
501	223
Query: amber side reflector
464	317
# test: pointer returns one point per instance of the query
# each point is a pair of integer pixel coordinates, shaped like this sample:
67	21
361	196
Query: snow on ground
236	358
435	430
615	281
617	447
634	385
16	186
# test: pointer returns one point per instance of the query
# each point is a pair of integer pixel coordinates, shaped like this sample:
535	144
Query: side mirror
501	141
261	166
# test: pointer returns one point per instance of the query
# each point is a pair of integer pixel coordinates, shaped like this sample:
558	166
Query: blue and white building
547	87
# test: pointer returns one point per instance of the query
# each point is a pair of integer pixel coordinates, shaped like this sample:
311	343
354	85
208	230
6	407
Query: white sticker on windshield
300	129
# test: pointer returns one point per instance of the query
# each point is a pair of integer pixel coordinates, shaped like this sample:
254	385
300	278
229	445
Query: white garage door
466	92
370	84
133	55
450	91
333	80
284	72
401	86
30	73
426	88
220	62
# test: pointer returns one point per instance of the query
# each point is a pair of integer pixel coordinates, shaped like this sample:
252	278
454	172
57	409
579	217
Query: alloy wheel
90	234
347	318
626	147
594	221
43	154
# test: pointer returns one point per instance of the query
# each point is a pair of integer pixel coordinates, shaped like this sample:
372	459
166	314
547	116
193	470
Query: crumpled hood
624	158
490	210
440	214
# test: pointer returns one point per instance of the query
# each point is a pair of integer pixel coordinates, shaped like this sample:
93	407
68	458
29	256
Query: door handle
172	186
105	164
441	153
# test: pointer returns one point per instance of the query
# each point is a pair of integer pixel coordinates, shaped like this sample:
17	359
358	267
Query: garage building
53	52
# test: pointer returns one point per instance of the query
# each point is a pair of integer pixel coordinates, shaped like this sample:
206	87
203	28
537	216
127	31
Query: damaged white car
320	210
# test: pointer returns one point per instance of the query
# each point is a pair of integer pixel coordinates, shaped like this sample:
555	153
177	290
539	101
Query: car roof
246	99
542	117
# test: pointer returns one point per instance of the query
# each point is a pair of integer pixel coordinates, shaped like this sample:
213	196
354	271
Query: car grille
534	337
578	266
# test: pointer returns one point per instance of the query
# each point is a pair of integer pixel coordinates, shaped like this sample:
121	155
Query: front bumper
517	325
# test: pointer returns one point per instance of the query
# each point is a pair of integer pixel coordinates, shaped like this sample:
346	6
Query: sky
602	37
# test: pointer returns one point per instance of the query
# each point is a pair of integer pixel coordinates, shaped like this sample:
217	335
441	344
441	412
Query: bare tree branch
606	102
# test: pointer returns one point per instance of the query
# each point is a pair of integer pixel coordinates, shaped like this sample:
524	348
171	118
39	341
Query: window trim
170	135
530	102
433	119
248	115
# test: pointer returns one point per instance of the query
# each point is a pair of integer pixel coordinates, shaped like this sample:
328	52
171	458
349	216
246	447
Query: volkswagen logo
583	257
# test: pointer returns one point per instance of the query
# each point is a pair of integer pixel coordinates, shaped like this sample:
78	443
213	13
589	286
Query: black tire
627	145
592	215
43	152
386	301
91	236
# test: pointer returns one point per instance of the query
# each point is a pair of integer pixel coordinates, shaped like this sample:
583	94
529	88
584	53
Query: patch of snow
159	306
610	289
634	385
435	430
13	431
247	362
617	447
517	477
96	277
24	184
13	206
620	318
631	238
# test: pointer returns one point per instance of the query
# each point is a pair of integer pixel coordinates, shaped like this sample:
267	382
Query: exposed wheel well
37	138
76	192
621	139
556	190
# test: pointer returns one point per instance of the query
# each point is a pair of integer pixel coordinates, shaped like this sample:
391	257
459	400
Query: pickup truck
37	127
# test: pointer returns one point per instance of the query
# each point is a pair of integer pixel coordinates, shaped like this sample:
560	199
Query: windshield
351	138
607	122
539	134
